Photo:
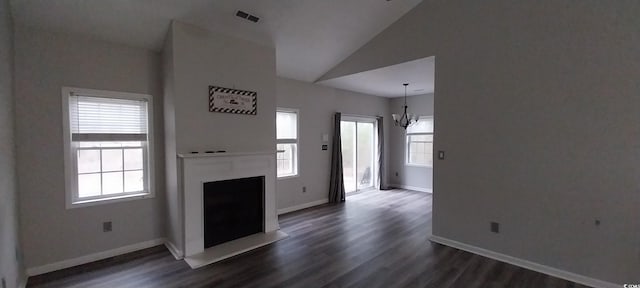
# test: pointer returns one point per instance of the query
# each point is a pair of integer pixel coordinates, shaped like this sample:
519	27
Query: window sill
115	199
418	165
287	177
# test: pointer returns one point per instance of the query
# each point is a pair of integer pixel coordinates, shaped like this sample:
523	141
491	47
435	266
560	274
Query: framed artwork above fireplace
229	100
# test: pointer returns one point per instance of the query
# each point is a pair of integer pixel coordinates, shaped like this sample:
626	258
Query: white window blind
286	124
107	119
424	125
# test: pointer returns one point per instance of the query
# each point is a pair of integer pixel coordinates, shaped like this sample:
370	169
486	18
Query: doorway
358	153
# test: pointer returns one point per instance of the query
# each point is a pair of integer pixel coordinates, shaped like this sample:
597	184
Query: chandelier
405	120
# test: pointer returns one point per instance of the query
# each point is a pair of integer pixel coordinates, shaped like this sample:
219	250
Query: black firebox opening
232	209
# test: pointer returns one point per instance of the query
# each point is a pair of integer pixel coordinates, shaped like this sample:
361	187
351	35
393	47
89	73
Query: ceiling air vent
242	14
253	18
247	16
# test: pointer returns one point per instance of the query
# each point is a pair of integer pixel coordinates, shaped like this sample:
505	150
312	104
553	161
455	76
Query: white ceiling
310	36
387	81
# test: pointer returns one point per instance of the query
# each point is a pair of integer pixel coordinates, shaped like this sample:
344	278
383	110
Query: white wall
538	110
44	62
408	176
11	270
317	105
195	58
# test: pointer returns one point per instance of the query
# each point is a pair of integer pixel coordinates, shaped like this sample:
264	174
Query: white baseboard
174	251
555	272
33	271
302	206
414	188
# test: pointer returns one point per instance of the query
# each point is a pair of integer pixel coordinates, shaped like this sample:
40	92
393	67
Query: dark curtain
382	183
336	183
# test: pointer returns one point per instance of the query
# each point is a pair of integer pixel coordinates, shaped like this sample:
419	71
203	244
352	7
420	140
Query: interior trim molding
33	271
174	251
414	188
302	206
23	281
555	272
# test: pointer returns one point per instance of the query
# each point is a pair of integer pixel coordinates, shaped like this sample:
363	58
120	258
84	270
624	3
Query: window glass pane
429	138
420	149
112	183
121	144
112	160
349	150
415	158
133	159
428	153
133	181
421	138
90	144
88	185
286	125
286	161
365	154
424	125
88	161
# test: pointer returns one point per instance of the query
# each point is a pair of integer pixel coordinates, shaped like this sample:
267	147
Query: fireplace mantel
197	169
222	154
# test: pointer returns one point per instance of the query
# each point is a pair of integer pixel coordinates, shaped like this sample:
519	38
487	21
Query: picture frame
230	100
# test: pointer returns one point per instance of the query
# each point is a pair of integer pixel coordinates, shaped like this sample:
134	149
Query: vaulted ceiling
310	36
387	81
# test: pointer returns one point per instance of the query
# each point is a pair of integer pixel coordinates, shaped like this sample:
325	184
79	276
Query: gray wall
317	105
10	265
195	58
173	212
538	110
412	176
202	58
44	63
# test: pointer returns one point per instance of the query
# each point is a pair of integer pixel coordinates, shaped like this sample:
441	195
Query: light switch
325	137
441	155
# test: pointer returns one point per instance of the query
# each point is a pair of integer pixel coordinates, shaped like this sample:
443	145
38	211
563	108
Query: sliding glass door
358	153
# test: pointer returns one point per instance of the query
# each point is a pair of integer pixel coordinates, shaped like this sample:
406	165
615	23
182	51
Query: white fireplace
200	168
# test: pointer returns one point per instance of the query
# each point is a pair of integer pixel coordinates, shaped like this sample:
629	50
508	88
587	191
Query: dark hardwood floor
376	239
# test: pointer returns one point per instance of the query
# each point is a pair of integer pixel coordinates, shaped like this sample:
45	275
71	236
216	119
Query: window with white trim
420	142
108	145
287	142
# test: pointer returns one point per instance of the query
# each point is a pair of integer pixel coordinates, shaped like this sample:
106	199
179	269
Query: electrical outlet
107	226
495	227
397	174
304	189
